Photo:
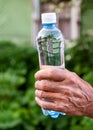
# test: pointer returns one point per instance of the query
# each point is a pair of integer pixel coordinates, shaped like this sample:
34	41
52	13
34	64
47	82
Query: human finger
44	103
47	85
49	95
52	74
48	105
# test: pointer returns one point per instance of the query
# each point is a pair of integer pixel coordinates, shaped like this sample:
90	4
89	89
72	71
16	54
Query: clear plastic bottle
50	45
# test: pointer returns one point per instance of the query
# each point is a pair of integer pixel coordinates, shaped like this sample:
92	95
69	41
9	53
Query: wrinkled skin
62	90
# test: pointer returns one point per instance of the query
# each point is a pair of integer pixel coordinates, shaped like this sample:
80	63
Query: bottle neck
49	25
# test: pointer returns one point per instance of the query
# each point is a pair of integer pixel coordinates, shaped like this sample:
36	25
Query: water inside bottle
51	51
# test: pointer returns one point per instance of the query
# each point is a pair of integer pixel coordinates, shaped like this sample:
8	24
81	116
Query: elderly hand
61	90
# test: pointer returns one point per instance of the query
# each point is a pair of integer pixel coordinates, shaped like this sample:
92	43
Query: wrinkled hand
61	90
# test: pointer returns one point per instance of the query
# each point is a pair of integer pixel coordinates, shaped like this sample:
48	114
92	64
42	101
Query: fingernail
35	75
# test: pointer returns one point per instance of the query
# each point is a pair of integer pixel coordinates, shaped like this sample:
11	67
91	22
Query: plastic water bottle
50	45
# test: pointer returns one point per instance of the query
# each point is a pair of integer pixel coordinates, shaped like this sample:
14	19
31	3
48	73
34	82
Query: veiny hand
61	90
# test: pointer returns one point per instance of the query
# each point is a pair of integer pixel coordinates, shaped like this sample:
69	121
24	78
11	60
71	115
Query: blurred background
19	24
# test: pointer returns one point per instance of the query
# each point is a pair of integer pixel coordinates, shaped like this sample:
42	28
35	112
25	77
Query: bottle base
52	114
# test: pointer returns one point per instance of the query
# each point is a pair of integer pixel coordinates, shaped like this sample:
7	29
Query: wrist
88	110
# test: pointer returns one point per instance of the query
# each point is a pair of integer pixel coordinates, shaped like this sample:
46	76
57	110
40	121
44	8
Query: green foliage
18	109
17	63
81	58
84	124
